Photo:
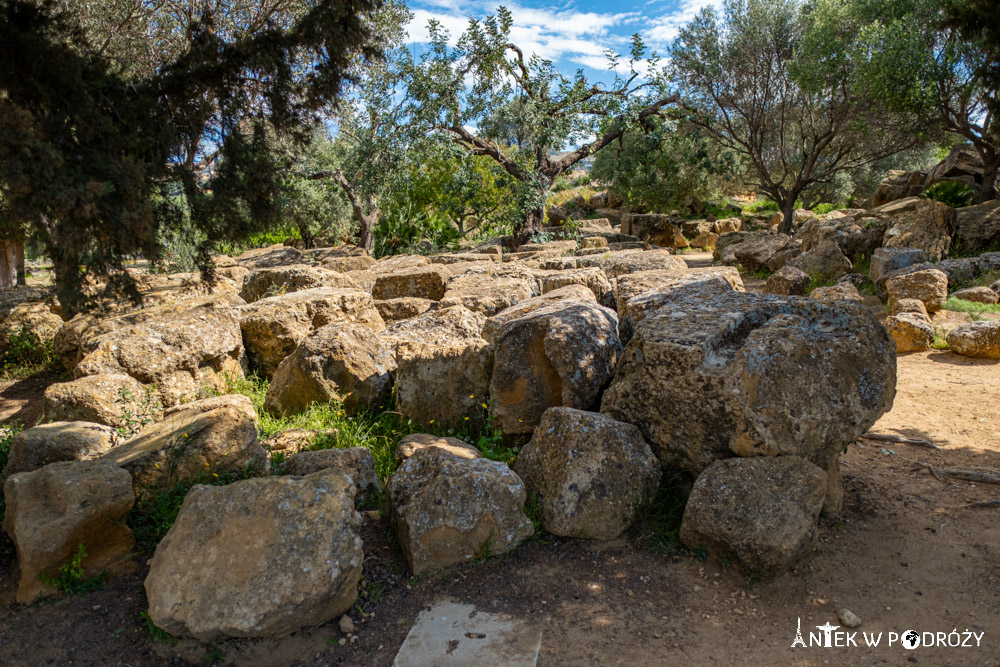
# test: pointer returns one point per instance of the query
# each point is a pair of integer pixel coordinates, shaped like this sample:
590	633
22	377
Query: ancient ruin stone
53	511
258	558
489	289
838	292
199	439
274	327
911	331
978	227
355	462
976	339
592	278
338	362
825	261
424	282
563	353
617	264
179	348
41	445
750	375
918	223
929	286
787	281
394	310
638	307
443	383
760	513
116	400
909	306
886	260
751	250
271	256
589	473
414	442
977	295
437	327
571	292
447	509
286	279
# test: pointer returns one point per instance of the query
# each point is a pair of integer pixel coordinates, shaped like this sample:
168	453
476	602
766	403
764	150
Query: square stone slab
450	633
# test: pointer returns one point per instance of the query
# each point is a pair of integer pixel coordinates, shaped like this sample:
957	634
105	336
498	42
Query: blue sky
571	34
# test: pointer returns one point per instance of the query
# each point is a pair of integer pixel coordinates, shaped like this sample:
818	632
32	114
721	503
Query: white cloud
552	34
665	28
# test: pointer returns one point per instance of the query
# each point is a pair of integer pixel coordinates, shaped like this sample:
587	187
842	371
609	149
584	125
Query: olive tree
778	85
493	100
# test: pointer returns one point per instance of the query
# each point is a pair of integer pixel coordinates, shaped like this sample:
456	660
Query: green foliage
159	635
952	193
136	411
662	164
92	153
816	280
25	355
962	306
940	342
523	108
403	228
775	82
71	579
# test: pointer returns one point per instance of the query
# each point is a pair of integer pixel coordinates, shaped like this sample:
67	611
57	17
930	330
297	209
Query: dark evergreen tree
92	161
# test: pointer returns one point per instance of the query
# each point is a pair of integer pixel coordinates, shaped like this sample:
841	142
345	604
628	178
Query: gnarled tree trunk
11	263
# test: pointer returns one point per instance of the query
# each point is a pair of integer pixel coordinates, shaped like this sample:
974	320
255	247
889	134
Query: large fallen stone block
760	513
273	327
53	511
752	375
342	362
929	286
589	473
918	223
424	282
355	462
443	383
456	324
447	509
286	279
490	288
116	400
180	348
976	339
258	558
912	332
616	264
41	445
216	436
562	353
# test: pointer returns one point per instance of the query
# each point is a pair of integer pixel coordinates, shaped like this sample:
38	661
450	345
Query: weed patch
961	306
659	523
71	579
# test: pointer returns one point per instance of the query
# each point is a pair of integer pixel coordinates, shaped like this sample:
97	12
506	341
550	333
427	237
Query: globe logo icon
911	639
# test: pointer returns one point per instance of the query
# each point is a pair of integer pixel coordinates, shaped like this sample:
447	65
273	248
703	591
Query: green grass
72	580
25	356
659	523
940	342
962	306
819	281
379	430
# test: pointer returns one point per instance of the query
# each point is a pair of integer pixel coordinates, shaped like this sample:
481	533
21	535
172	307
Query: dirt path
906	553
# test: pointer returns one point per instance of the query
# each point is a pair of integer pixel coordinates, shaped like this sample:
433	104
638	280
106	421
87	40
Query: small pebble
848	618
346	624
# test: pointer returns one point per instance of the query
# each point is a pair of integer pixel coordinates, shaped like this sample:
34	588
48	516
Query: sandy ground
908	552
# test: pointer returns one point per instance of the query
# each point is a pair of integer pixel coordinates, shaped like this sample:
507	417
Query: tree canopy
89	149
774	80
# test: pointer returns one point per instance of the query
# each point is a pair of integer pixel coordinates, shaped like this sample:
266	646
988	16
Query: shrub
952	193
